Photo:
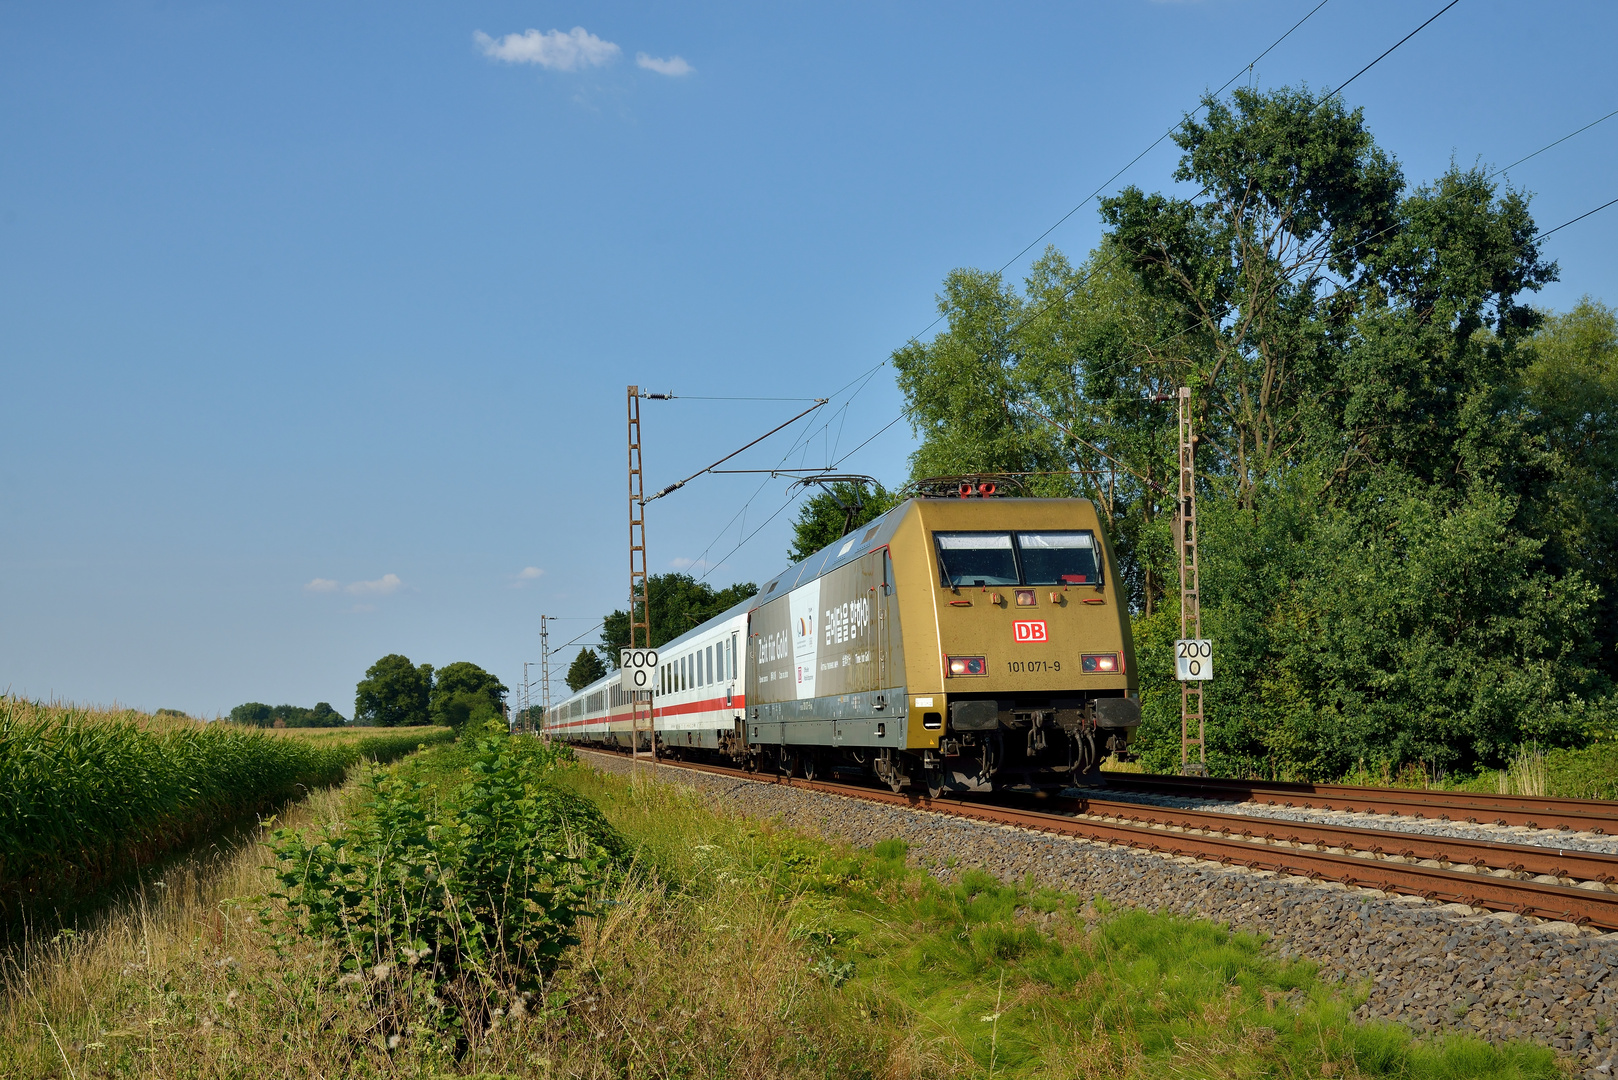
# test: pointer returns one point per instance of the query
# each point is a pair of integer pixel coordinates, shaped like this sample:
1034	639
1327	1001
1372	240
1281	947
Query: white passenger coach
698	700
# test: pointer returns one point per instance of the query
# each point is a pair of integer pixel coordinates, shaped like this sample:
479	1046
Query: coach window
707	665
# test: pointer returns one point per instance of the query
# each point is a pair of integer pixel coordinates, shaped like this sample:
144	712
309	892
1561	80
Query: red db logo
1029	630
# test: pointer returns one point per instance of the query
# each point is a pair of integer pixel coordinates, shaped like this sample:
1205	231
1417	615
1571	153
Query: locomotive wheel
935	782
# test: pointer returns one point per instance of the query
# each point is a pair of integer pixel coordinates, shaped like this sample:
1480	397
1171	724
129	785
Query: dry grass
184	981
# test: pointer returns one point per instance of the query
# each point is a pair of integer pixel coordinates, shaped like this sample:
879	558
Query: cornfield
90	795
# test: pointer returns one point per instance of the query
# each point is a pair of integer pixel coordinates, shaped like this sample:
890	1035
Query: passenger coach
955	644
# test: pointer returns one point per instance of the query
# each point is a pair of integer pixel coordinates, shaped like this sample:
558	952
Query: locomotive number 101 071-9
1020	667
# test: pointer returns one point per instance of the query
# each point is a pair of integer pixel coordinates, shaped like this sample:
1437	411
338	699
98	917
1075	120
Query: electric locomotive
962	645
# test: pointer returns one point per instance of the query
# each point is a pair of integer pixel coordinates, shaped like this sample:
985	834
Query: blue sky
315	319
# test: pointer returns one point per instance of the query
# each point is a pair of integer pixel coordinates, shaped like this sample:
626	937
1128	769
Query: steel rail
1535	812
1561	863
1580	906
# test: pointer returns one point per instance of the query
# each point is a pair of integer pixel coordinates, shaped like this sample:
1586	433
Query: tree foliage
585	669
394	693
1407	483
679	602
257	714
464	693
833	512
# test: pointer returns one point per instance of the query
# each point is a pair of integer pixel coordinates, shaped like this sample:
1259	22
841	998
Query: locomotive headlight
967	665
1098	663
1025	597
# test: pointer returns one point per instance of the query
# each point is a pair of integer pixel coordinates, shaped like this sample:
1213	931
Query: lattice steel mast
640	629
544	670
1190	591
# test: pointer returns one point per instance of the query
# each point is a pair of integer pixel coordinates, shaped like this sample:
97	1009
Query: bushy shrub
449	909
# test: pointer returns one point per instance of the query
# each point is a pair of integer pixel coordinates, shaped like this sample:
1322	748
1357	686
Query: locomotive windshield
976	558
1058	558
1033	558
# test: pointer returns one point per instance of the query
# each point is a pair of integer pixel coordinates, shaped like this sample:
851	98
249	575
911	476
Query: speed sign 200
639	667
1193	659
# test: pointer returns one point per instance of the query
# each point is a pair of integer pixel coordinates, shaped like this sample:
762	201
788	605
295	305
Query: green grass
724	947
92	794
978	977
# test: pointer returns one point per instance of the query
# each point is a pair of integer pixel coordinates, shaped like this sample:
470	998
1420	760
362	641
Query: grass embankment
718	947
91	794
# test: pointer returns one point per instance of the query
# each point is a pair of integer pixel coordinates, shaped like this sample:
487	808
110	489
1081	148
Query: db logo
1029	630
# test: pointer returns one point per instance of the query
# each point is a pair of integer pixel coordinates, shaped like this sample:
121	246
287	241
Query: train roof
845	549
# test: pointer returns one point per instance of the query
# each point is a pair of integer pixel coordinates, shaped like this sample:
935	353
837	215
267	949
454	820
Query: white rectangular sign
1193	659
639	667
804	605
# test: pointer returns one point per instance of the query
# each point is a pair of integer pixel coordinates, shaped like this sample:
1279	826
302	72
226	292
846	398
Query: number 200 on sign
1193	659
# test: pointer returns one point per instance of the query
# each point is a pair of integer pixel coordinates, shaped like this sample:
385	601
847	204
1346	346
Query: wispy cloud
321	584
382	586
674	65
552	50
682	563
526	575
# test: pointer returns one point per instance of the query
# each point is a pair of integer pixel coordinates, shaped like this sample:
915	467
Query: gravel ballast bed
1433	967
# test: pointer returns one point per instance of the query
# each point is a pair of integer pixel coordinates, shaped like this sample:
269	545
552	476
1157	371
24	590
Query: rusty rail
1536	812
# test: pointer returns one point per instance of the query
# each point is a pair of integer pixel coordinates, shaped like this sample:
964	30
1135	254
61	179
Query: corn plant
89	796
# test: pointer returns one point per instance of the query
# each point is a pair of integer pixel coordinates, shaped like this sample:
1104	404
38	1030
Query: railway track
1545	882
1535	812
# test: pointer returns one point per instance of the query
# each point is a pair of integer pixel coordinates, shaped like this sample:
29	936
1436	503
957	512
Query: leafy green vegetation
465	697
678	602
90	795
398	693
453	906
654	935
977	977
835	511
585	669
1406	473
259	714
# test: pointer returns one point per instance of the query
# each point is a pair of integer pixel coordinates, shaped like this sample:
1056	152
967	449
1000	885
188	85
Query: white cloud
553	50
529	573
683	563
674	65
382	586
321	584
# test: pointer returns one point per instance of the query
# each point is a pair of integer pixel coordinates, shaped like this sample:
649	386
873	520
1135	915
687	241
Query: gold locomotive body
961	644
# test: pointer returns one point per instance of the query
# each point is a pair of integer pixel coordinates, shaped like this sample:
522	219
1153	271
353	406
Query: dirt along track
1567	886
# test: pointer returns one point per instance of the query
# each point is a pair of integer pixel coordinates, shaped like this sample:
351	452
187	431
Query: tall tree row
1409	495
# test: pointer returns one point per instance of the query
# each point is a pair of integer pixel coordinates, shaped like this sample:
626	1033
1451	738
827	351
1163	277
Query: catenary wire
865	376
1547	146
1581	217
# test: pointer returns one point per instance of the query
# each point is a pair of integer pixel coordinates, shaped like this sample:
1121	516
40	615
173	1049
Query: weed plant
91	795
448	909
